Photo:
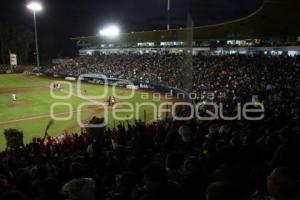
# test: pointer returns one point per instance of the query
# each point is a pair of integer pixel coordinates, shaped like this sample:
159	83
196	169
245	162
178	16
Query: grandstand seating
172	159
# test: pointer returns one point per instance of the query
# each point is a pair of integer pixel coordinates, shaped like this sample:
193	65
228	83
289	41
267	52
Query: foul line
40	117
57	114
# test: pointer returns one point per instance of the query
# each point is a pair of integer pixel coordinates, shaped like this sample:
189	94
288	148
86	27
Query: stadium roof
275	18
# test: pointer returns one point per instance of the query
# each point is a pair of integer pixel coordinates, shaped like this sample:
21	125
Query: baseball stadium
31	110
206	112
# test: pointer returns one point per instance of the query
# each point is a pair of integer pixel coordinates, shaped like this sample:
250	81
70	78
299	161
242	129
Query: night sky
62	19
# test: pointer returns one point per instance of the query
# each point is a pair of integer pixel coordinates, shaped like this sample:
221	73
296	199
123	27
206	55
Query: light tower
168	14
35	7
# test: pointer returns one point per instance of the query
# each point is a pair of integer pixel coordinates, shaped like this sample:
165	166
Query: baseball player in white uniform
14	98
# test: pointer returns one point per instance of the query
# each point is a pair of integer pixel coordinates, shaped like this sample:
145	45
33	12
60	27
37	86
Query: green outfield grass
31	112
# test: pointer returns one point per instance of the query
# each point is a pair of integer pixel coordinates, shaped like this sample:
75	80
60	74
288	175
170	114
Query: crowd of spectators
162	160
16	69
237	77
146	68
4	68
169	159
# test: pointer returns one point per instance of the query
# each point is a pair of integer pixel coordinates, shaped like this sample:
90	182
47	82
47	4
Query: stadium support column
168	14
36	41
187	67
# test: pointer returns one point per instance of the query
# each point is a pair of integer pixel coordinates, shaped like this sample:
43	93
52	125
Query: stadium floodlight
111	31
35	7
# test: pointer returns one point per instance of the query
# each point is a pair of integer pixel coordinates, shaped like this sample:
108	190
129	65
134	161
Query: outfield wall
102	79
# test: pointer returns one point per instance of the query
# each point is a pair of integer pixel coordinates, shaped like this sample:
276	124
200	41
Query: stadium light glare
111	31
35	6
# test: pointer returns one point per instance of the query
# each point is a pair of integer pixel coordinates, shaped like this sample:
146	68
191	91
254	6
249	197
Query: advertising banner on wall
13	59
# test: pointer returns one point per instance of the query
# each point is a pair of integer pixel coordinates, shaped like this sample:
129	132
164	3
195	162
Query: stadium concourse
172	159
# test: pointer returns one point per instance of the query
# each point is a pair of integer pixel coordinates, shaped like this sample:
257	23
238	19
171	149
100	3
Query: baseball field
36	105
